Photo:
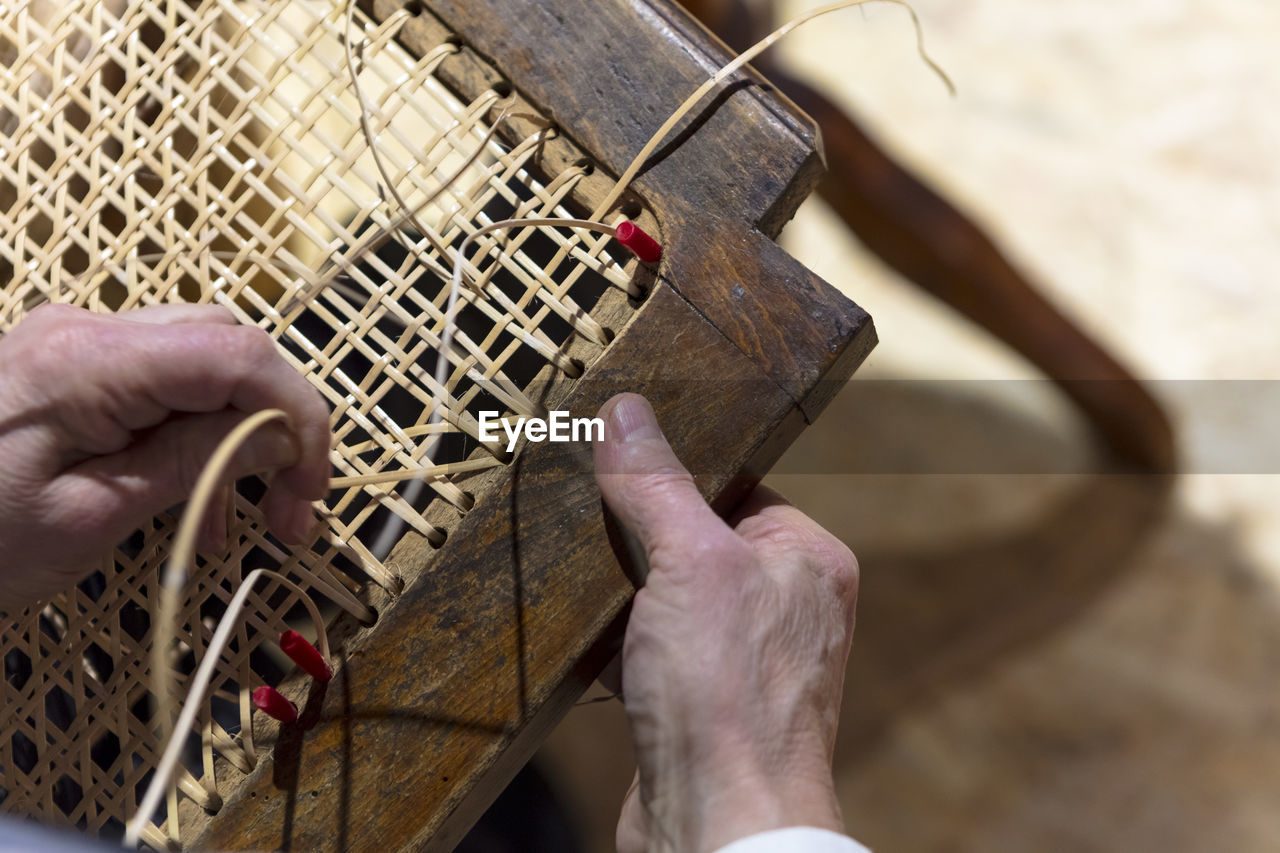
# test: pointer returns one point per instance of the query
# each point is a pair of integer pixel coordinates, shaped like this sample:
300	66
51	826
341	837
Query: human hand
106	419
734	657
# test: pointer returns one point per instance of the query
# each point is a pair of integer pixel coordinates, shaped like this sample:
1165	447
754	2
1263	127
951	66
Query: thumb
161	467
647	488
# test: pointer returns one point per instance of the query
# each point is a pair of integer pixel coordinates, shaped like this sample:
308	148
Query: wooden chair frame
437	704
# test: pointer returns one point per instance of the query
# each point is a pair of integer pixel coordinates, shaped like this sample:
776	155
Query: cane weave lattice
175	150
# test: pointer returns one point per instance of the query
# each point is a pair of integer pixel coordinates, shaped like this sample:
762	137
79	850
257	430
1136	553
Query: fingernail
213	535
268	450
632	419
302	524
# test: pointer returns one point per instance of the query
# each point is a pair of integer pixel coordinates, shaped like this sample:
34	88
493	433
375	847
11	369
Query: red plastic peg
305	655
271	702
641	244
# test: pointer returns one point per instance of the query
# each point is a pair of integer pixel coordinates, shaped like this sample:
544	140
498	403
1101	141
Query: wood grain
722	186
463	674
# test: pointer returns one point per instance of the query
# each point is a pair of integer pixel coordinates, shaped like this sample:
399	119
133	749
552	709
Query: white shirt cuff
795	839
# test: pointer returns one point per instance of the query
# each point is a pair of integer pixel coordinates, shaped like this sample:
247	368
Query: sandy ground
1052	661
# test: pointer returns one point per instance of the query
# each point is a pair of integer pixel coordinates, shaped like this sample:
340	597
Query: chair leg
920	234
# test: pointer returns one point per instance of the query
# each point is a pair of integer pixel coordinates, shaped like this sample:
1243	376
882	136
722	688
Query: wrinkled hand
735	651
107	419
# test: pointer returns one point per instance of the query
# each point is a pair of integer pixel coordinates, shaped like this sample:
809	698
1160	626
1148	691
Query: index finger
136	373
207	367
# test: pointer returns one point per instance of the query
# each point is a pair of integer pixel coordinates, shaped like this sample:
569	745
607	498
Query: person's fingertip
631	418
269	449
212	538
314	467
310	481
301	527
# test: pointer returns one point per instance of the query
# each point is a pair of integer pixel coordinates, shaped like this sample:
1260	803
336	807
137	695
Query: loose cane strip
175	575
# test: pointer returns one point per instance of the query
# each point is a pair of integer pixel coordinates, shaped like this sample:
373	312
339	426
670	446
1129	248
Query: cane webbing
174	150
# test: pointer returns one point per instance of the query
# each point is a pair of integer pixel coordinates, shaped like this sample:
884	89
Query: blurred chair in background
930	242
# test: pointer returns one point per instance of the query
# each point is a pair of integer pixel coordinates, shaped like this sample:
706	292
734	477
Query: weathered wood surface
610	73
469	668
438	704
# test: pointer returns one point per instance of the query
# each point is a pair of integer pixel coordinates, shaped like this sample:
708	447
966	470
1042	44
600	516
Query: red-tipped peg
271	702
305	655
641	244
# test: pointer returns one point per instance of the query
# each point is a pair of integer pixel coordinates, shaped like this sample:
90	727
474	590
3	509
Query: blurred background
1050	655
